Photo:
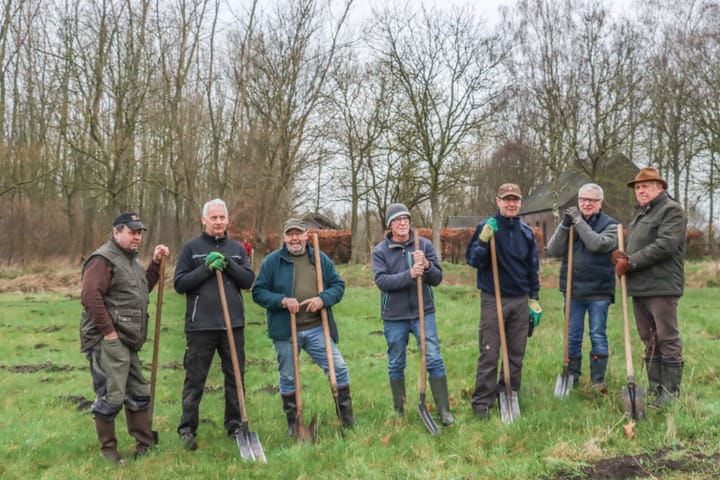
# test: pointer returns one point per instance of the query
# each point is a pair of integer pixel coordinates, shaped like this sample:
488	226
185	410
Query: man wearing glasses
593	279
519	288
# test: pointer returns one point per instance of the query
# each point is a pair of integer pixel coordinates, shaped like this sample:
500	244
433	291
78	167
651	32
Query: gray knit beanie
393	211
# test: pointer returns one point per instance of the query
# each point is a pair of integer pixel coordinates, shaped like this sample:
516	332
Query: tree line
287	106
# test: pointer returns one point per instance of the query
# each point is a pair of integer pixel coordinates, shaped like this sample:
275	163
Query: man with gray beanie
396	266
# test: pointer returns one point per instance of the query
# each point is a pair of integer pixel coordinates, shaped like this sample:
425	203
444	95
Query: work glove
488	230
572	217
215	261
535	311
618	255
622	267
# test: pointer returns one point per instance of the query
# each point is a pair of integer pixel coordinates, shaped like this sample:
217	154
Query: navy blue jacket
516	254
391	263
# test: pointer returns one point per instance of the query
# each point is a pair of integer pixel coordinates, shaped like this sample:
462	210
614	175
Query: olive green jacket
656	246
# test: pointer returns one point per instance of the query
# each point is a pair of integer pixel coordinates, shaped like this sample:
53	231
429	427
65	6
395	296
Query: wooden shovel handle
296	366
501	321
626	322
324	316
233	352
568	296
156	336
421	317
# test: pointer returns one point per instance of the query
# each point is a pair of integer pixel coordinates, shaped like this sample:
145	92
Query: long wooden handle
501	321
421	316
324	317
296	366
233	352
156	337
568	296
626	322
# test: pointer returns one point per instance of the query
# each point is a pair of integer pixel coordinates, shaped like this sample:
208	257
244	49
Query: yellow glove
488	230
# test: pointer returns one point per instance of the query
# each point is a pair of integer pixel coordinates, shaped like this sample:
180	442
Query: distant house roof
540	199
317	221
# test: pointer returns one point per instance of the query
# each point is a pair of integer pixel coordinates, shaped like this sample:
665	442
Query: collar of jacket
507	222
287	256
214	238
395	244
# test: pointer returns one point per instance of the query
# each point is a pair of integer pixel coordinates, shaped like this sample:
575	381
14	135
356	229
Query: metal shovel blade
309	433
634	401
250	447
426	417
564	384
509	407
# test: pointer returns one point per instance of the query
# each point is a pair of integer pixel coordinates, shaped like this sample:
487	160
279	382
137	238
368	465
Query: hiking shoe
188	440
112	456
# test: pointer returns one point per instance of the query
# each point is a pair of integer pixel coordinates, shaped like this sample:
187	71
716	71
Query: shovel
156	344
565	381
326	329
509	405
632	395
303	433
247	441
422	406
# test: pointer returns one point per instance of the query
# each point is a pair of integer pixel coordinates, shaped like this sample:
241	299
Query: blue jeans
397	334
597	311
312	341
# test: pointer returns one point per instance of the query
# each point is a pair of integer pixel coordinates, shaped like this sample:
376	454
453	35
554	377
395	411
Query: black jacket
203	309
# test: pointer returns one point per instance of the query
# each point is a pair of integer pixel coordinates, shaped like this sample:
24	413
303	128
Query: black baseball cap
130	220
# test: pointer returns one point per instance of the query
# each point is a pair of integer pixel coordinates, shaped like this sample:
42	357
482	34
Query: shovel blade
309	433
634	401
249	445
426	417
563	385
509	407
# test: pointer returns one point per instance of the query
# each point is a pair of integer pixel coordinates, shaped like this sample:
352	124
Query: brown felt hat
647	174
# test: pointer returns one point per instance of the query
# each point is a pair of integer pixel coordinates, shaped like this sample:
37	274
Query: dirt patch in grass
40	367
82	403
648	465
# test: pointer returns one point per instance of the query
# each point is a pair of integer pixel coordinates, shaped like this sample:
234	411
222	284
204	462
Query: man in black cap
113	328
205	333
653	262
287	283
517	260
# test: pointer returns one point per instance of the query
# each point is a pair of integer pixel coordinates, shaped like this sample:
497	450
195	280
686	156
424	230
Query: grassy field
46	430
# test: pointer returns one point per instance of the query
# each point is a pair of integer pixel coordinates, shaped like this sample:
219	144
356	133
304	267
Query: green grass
46	430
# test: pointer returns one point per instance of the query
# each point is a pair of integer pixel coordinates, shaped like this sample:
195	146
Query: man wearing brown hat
113	329
287	283
653	265
519	287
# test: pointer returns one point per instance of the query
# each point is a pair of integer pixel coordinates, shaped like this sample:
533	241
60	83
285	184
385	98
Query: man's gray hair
214	201
592	186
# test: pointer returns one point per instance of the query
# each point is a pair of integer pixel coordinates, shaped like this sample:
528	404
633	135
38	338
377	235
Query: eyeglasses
588	200
403	219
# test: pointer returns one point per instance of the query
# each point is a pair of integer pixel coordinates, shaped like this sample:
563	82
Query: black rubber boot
139	428
598	367
442	402
290	409
108	442
398	393
654	374
345	404
575	369
670	388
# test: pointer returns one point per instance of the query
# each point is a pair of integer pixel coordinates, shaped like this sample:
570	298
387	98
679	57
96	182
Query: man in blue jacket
519	287
286	283
205	330
397	265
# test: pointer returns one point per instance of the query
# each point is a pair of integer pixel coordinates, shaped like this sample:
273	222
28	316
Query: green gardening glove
488	230
215	261
535	311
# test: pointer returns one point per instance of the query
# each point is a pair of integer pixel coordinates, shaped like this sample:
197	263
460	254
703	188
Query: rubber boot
654	374
574	369
440	394
398	393
670	388
138	424
345	411
598	367
290	409
108	442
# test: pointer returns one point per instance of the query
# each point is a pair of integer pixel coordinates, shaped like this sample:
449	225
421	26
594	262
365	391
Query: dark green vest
126	300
